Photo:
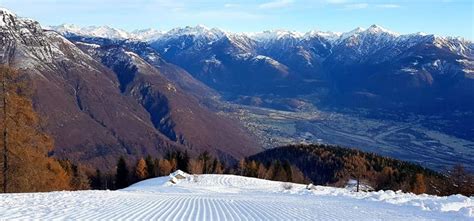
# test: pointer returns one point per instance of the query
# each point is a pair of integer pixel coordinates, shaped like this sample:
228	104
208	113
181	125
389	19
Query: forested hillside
334	165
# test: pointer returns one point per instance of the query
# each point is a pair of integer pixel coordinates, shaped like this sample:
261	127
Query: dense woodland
27	167
334	165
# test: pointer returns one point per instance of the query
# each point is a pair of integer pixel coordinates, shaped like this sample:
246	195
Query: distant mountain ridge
348	64
371	67
151	34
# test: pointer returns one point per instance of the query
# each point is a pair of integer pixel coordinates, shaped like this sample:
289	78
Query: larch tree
141	170
261	171
356	167
195	166
25	145
419	185
164	167
297	176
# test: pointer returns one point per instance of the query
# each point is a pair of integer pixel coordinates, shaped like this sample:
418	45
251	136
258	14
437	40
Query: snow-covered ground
229	197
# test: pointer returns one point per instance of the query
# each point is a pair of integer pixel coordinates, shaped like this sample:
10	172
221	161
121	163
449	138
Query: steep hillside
92	113
173	111
77	96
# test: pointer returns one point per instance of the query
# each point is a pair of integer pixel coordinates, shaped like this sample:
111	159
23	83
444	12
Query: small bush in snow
195	178
287	186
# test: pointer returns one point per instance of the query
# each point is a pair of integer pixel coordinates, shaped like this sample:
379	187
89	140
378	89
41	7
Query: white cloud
276	4
356	6
387	6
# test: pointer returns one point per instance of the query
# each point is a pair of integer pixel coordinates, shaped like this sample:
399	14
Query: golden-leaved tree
24	159
141	170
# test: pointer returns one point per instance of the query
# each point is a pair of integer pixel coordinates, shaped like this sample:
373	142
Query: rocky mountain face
415	71
103	102
226	62
365	67
371	67
175	112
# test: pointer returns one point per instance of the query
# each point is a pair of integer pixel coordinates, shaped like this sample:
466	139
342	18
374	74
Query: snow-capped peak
64	29
275	35
372	30
356	31
18	25
92	31
5	11
375	29
199	30
332	36
147	34
10	19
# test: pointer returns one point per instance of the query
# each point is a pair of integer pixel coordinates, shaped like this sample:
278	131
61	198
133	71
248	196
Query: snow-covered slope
229	197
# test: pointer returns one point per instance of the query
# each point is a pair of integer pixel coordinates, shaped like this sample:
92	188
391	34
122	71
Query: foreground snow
229	197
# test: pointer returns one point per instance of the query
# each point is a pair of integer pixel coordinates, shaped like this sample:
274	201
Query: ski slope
229	197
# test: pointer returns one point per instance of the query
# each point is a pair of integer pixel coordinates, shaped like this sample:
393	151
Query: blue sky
441	17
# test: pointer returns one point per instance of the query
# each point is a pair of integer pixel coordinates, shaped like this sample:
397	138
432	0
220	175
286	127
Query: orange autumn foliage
29	169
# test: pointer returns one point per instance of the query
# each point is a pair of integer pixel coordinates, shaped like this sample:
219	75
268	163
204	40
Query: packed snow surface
229	197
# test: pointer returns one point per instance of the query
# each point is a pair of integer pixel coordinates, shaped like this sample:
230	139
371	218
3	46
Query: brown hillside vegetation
26	166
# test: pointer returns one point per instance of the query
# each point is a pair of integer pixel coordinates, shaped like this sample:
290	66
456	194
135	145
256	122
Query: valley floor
412	138
229	197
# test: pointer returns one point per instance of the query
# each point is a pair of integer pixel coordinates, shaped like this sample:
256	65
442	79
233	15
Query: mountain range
105	92
371	67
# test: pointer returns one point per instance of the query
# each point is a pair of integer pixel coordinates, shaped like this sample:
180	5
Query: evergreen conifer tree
122	175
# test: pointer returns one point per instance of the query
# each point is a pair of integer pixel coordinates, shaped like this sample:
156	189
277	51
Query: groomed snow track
227	197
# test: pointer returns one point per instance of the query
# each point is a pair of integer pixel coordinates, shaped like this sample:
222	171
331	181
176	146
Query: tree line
144	168
334	165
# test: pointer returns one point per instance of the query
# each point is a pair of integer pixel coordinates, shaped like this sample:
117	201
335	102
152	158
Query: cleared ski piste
230	197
